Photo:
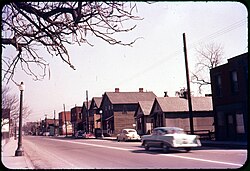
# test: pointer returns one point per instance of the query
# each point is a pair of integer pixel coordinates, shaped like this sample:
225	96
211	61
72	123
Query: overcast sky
154	63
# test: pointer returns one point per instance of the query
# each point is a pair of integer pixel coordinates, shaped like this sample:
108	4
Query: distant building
76	119
230	91
144	123
119	109
65	123
95	114
174	112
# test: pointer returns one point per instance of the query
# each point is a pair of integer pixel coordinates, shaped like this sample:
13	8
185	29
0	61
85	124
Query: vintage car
128	134
170	137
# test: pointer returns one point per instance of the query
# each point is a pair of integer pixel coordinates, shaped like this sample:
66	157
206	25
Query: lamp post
19	150
101	124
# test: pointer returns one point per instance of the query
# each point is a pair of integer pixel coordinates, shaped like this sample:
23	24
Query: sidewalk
10	161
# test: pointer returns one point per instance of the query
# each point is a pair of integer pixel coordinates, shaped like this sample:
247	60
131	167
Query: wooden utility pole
65	120
188	88
54	123
87	119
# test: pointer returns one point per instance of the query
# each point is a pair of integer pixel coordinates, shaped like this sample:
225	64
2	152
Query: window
124	111
240	123
234	82
218	87
220	119
80	115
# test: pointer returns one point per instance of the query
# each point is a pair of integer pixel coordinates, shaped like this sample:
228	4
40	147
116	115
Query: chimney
141	90
117	90
165	94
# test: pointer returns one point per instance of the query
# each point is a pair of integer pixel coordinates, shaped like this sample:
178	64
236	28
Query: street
65	153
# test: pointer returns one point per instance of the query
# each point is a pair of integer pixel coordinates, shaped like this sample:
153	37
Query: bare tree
208	57
52	25
11	102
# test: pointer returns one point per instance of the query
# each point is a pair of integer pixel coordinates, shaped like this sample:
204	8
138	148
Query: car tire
188	149
146	146
165	148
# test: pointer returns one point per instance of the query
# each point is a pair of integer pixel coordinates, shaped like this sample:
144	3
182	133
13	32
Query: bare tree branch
29	25
208	57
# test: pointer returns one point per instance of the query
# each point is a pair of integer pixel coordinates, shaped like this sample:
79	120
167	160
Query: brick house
94	114
63	123
76	119
174	111
119	109
143	120
229	84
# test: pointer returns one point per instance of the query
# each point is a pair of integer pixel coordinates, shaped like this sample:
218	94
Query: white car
128	134
170	137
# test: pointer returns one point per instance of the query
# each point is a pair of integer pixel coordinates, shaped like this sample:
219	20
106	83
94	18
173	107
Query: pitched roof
98	101
177	104
146	106
129	97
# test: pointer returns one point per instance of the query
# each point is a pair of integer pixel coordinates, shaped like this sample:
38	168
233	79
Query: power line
192	45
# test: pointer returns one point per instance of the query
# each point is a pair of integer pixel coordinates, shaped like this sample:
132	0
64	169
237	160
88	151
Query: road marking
205	160
95	145
168	155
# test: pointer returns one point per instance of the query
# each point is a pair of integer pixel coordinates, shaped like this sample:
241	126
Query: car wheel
146	146
187	149
165	148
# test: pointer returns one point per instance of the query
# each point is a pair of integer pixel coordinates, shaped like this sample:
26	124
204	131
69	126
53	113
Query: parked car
79	134
128	134
170	137
88	135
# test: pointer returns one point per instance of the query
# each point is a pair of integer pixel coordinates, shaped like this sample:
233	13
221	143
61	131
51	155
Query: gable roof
177	104
97	101
146	106
129	97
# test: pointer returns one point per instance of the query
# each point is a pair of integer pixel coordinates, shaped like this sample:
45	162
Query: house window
124	111
220	118
234	82
80	116
218	86
240	123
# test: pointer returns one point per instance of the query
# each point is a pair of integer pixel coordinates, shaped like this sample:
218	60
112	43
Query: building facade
229	83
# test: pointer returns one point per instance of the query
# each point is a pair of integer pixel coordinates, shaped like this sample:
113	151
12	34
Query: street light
19	150
101	124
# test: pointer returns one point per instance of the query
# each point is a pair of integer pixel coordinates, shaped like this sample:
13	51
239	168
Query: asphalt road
62	153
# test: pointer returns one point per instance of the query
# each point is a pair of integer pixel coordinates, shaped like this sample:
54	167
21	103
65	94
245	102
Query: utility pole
188	88
54	123
65	120
87	119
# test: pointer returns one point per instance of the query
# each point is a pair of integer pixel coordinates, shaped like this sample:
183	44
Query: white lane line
168	155
95	145
204	160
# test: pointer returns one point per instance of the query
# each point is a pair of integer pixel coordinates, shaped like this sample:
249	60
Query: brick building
229	83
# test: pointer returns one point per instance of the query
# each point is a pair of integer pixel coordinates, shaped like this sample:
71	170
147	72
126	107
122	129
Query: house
49	126
143	120
85	116
174	111
229	84
119	109
65	126
95	114
76	119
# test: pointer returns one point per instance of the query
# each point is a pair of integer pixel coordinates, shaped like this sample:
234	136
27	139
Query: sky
155	62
